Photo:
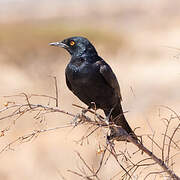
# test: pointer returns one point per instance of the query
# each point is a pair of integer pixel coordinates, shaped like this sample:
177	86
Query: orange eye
72	43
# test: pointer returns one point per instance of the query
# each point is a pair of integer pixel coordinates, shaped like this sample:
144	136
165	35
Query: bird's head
76	46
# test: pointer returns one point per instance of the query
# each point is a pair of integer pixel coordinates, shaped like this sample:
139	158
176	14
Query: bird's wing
110	77
68	83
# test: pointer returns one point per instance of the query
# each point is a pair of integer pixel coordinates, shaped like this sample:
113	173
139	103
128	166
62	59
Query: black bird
92	80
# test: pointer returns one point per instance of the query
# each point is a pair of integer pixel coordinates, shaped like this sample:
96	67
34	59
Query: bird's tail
118	118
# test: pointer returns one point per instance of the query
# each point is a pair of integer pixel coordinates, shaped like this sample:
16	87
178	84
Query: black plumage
92	80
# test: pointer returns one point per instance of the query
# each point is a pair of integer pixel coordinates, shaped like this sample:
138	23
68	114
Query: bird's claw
107	120
75	120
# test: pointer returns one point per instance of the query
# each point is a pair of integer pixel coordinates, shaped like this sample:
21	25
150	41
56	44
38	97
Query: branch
155	158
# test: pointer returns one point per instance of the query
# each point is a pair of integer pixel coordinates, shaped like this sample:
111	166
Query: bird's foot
75	120
106	120
84	111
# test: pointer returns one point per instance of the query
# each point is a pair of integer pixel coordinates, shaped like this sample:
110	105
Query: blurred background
137	38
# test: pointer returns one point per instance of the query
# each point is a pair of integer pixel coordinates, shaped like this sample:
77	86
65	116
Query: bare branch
170	141
56	90
157	160
164	139
123	157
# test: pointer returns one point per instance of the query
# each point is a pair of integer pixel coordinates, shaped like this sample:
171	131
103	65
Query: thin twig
154	142
84	162
156	159
112	151
101	162
56	90
164	138
170	141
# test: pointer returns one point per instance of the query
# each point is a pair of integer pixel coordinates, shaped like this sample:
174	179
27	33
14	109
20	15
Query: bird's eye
72	43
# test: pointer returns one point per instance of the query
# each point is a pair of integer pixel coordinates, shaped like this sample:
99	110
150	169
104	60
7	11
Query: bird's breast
81	75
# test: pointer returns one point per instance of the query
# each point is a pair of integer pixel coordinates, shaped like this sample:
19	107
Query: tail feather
118	118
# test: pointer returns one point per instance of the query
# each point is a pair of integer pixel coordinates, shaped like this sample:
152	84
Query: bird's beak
60	44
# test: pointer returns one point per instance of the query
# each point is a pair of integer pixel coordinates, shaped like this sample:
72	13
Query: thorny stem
155	158
81	118
56	90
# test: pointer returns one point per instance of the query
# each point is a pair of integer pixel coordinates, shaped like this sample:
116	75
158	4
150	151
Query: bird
93	81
